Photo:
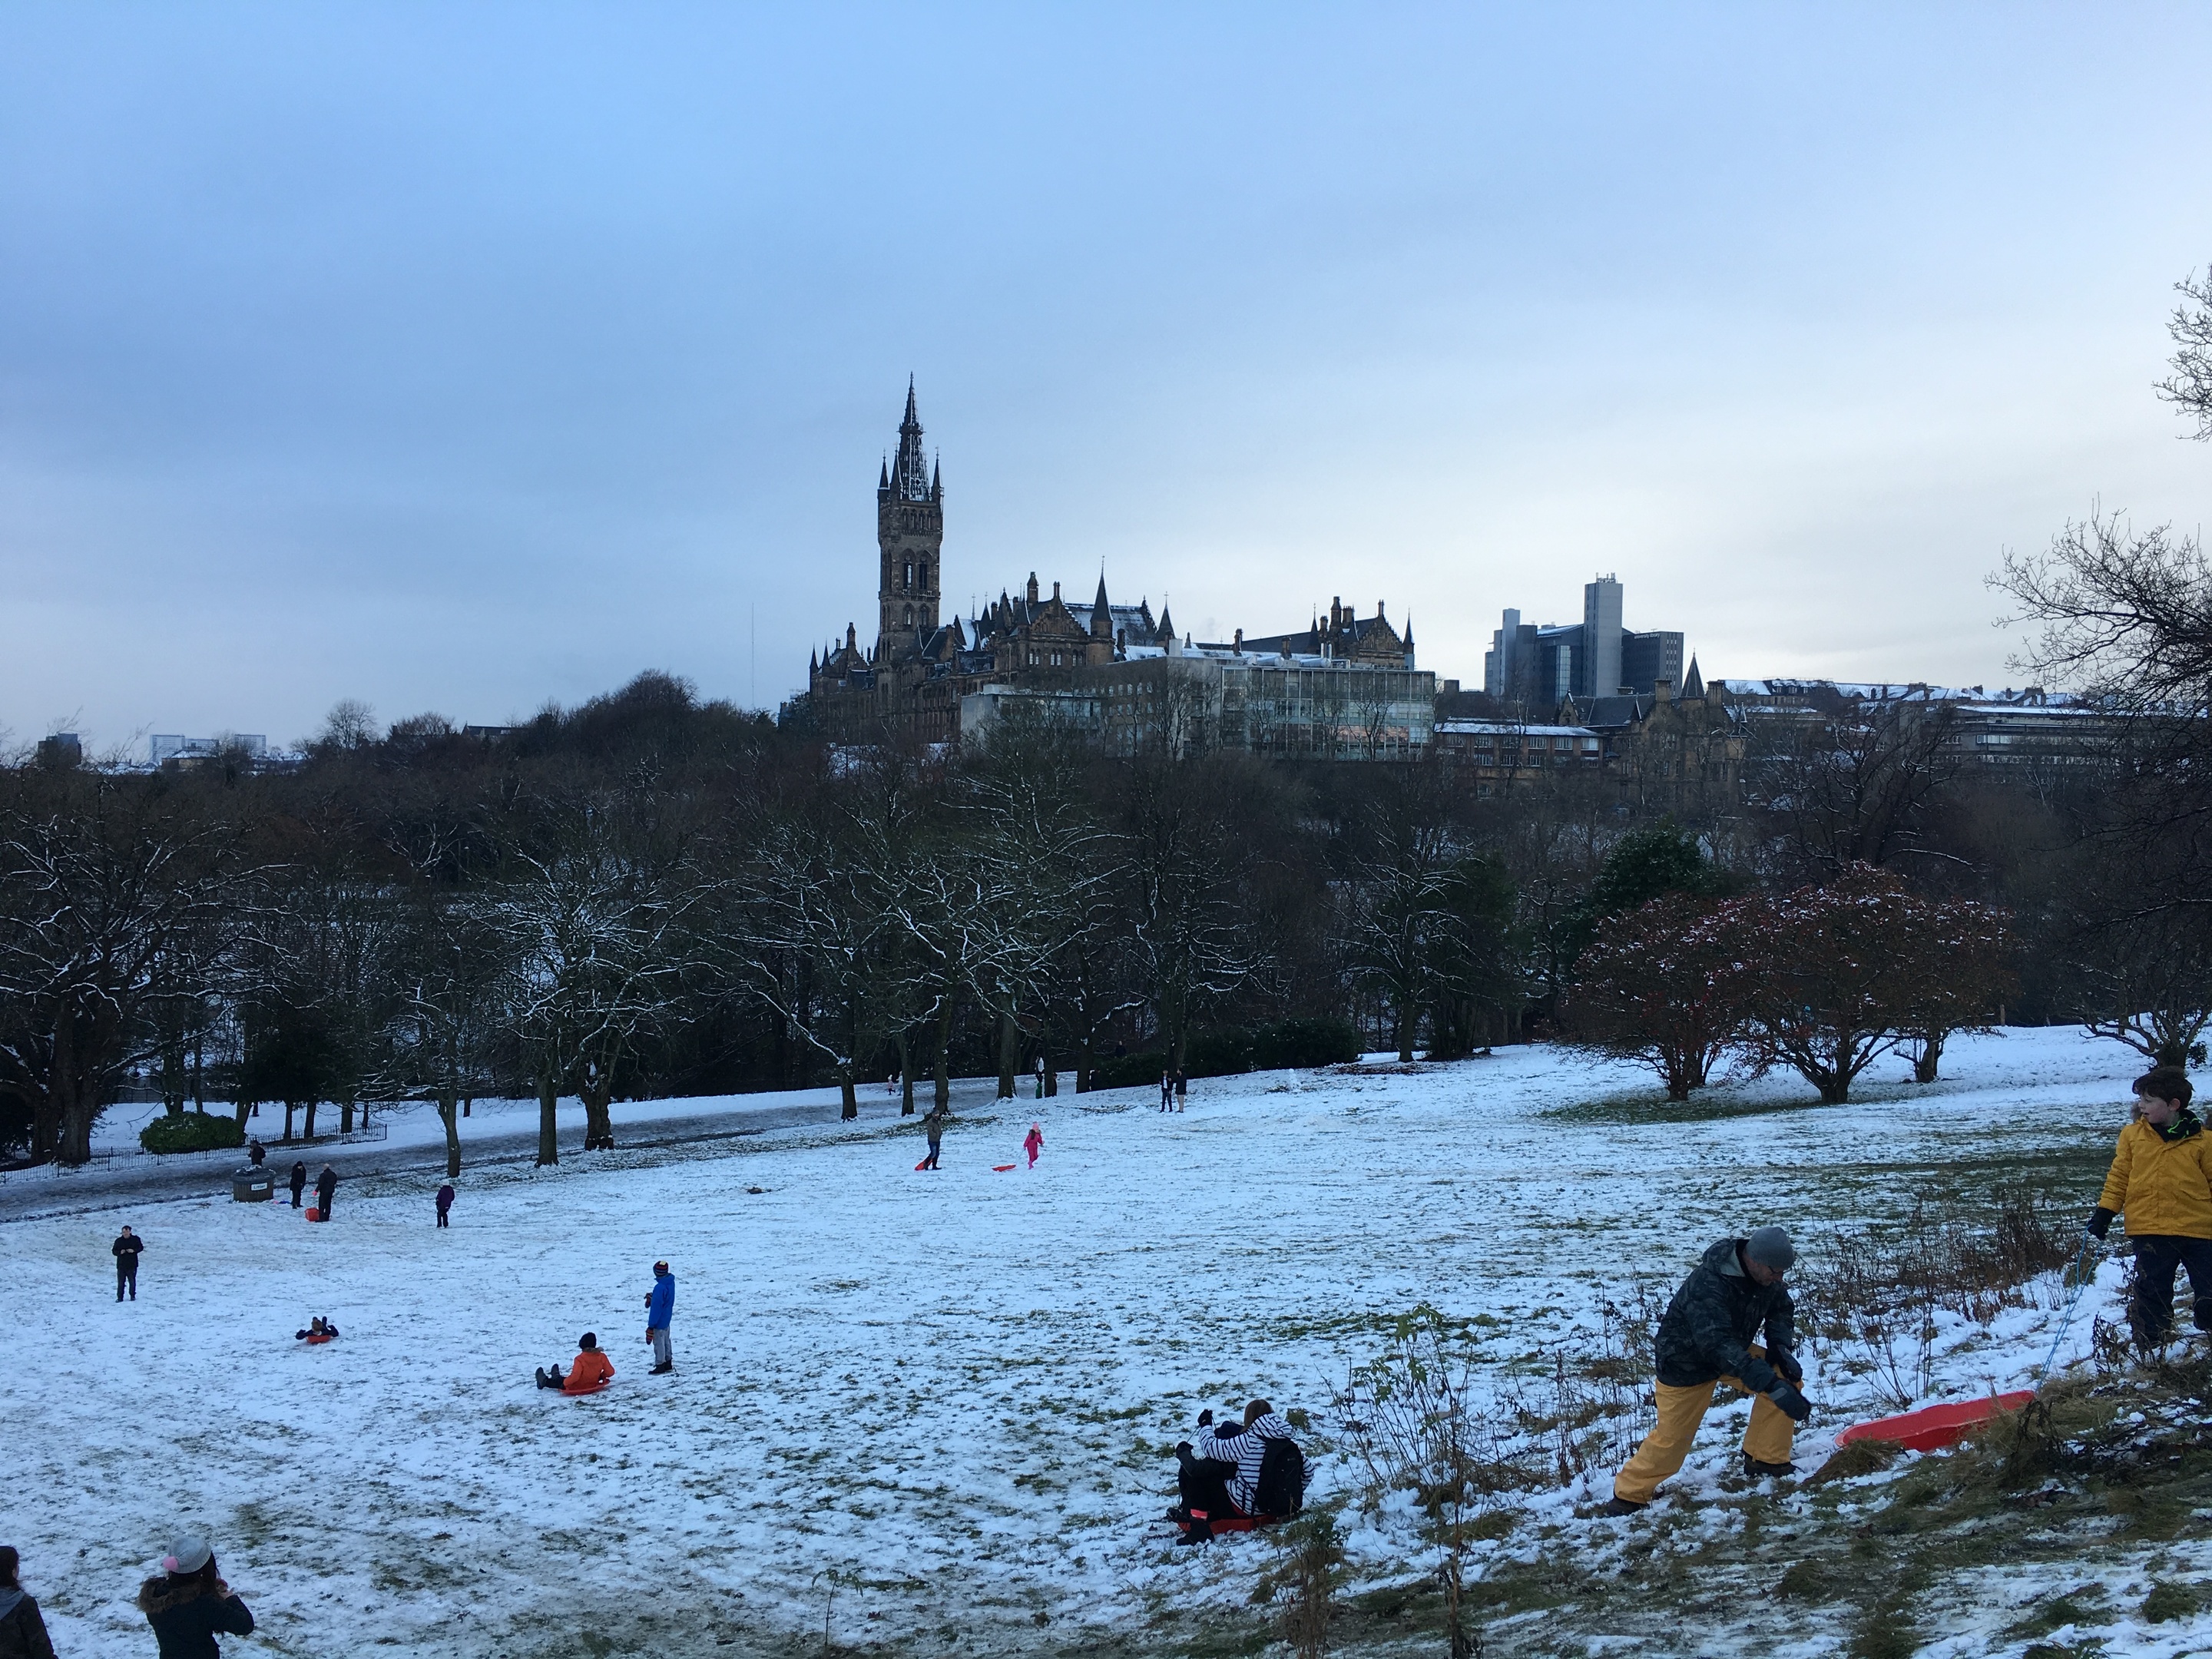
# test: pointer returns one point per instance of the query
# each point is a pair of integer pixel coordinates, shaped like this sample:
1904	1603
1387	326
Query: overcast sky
459	358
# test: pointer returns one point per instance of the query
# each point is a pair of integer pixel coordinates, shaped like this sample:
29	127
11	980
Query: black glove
1794	1404
2100	1222
1786	1363
1205	1418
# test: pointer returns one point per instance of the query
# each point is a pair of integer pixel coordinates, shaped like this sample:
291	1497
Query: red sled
920	1167
1934	1427
313	1214
317	1339
1000	1169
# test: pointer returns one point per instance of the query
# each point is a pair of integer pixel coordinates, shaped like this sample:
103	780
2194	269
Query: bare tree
2189	388
1855	784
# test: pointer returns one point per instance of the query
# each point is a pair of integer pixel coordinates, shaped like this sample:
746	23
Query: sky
465	358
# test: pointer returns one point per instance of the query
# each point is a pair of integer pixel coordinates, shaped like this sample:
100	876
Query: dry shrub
1307	1575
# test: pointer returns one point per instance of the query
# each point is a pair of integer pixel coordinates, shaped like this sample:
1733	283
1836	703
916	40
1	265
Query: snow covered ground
931	1409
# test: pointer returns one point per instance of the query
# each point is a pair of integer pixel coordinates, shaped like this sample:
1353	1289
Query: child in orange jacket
591	1371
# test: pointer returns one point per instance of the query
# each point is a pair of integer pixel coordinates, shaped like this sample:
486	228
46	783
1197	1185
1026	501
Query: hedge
191	1132
1224	1052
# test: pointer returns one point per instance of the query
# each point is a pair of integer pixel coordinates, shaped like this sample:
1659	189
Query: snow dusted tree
2189	388
588	911
1669	985
1847	972
2149	979
116	898
1857	784
449	966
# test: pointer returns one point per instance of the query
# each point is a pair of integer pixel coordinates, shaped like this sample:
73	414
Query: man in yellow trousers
1704	1344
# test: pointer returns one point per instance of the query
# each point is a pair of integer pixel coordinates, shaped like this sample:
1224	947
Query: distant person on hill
256	1153
1166	1089
319	1330
326	1188
189	1606
1226	1471
1033	1143
1704	1342
2161	1182
126	1250
22	1632
590	1371
299	1182
1182	1088
933	1125
659	1309
445	1201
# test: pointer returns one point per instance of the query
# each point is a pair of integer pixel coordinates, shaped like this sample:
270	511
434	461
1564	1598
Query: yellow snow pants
1681	1411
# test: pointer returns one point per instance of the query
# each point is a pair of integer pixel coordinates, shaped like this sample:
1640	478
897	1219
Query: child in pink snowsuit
1034	1144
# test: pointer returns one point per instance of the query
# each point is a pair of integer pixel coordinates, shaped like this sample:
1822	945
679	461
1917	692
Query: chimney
1055	592
1662	690
1239	646
1033	591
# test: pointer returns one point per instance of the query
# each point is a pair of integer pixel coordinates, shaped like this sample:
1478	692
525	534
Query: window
909	582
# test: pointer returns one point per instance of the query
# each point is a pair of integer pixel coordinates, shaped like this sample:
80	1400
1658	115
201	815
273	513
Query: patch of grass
1861	1457
1885	1630
1643	1107
2075	1606
2168	1601
2088	1648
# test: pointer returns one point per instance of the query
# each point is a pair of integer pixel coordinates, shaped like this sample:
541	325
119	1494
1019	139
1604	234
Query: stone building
1345	686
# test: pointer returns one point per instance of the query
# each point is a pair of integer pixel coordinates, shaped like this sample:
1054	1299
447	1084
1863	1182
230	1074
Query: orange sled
1934	1427
1200	1523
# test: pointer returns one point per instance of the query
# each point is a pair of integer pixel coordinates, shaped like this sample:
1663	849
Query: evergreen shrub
191	1132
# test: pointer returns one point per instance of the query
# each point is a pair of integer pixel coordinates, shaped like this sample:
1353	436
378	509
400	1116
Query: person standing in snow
189	1606
22	1630
125	1250
2162	1180
1033	1143
299	1182
445	1201
326	1188
1166	1089
1181	1089
256	1152
1704	1342
934	1125
660	1307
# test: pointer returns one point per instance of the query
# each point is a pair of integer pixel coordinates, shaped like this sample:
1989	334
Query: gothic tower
909	531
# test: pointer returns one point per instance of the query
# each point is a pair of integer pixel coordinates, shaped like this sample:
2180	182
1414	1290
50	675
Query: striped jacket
1233	1443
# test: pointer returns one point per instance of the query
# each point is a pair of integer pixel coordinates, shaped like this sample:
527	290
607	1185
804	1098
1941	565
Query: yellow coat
2161	1186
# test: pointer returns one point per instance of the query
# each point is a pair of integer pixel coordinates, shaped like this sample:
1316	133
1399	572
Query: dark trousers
1203	1483
930	1163
323	1200
126	1277
2150	1312
441	1215
296	1196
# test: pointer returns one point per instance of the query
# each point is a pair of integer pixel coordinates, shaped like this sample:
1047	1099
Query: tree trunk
848	1101
345	1117
311	1120
1010	1051
598	1122
549	1144
452	1136
906	1073
290	1108
467	1101
1051	1073
1929	1057
244	1109
1402	1036
941	1067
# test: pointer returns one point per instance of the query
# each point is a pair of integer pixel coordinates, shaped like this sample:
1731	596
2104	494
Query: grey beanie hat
1770	1246
188	1554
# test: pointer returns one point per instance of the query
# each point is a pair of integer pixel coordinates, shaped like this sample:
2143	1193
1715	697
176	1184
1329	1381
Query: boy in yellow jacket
2161	1182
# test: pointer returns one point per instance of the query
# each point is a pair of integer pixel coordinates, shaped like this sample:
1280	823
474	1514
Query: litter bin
252	1186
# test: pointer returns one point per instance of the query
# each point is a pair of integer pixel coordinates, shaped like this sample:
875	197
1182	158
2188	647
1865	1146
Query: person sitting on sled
1733	1294
2161	1182
1218	1474
590	1371
320	1329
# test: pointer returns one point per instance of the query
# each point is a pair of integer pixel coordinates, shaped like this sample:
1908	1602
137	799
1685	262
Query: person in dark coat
22	1630
326	1188
445	1201
189	1606
125	1249
933	1125
299	1182
1181	1089
1704	1342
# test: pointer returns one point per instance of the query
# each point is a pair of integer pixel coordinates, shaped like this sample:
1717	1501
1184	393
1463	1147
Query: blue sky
459	358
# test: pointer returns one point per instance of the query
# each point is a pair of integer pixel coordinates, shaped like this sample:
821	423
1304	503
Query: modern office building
1538	664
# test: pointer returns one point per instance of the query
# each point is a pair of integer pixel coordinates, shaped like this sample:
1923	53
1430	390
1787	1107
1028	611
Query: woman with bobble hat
189	1606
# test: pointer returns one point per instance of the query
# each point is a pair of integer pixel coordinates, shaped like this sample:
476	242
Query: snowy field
931	1409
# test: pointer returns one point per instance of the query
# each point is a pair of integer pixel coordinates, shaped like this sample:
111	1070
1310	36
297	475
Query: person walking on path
934	1125
2161	1182
189	1605
326	1188
445	1201
660	1307
1734	1293
1033	1143
22	1630
125	1250
299	1182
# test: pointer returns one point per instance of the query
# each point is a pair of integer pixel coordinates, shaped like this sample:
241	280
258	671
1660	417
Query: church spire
1102	614
909	472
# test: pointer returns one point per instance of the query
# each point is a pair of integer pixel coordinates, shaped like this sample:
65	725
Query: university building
1344	687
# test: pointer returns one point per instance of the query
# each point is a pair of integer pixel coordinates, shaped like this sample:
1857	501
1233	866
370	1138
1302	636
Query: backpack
1280	1488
